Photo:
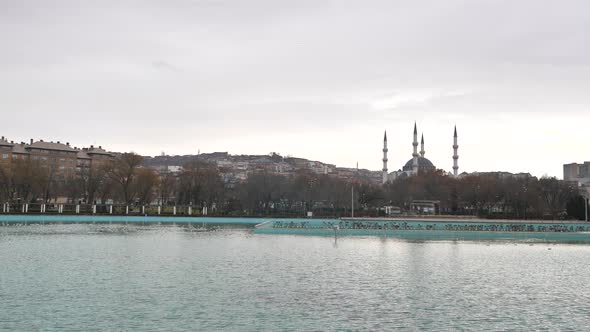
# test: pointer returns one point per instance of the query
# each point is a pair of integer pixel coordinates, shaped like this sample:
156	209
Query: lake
168	278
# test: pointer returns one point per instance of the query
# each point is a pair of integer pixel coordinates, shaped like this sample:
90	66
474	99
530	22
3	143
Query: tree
575	207
370	196
555	194
122	171
91	181
166	188
6	182
144	185
39	176
199	183
262	191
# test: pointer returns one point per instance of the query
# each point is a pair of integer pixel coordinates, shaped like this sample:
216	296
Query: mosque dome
423	165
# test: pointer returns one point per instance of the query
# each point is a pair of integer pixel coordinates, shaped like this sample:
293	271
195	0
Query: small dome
423	164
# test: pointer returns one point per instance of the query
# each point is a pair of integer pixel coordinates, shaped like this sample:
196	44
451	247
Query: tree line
491	195
123	180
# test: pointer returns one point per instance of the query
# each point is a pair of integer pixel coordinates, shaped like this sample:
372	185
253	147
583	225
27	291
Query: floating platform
443	229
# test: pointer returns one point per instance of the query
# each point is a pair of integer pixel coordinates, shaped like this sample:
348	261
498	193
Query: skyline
73	145
312	79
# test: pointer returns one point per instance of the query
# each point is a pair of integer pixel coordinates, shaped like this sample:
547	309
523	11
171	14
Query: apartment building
61	159
580	174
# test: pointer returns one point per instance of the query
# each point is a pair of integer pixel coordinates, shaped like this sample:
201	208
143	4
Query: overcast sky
314	79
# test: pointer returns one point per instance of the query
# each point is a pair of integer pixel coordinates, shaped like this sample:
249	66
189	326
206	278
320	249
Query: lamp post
586	208
352	201
585	192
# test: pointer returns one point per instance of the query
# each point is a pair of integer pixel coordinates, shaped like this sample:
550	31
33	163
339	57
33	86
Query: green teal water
166	278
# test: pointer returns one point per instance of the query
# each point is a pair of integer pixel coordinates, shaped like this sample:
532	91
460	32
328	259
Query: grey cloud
317	66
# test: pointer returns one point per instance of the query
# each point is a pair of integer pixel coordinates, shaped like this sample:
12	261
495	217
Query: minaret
415	154
422	153
455	154
385	158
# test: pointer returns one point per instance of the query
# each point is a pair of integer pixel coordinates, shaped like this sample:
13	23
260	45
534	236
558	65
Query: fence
101	209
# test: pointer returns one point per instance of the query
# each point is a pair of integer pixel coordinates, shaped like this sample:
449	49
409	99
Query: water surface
164	278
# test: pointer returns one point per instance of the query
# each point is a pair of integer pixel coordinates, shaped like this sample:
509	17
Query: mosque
418	163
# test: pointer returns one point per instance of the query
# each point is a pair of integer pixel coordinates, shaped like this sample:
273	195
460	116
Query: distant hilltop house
237	168
167	169
502	175
418	163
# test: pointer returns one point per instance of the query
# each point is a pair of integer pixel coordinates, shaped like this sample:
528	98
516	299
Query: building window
5	156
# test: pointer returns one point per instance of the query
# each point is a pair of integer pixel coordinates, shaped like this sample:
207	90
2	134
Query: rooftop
5	142
41	145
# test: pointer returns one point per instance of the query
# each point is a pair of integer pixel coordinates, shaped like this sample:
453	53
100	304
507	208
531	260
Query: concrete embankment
106	219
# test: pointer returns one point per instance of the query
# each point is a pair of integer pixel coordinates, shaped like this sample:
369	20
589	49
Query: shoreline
466	220
254	220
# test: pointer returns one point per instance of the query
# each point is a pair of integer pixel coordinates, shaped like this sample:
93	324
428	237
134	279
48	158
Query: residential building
579	174
61	159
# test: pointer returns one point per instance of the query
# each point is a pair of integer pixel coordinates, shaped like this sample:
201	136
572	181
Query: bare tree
6	183
42	179
145	183
555	195
90	181
122	171
199	183
166	188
